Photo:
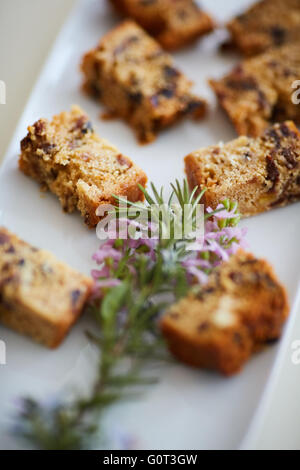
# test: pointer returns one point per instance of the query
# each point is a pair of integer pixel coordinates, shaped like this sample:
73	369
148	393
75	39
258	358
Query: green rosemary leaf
146	194
178	193
158	197
127	203
112	303
182	285
198	198
171	197
129	380
100	399
192	195
185	192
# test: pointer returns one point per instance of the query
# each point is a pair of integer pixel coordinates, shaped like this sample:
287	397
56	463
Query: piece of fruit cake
268	23
259	173
68	157
173	23
137	81
39	296
260	91
242	307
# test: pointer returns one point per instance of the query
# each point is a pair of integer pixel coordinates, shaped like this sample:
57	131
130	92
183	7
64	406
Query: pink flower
194	272
100	285
106	251
99	273
108	283
196	262
222	214
220	241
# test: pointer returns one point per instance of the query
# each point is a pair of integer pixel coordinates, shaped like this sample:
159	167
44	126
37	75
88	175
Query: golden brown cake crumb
259	174
259	91
268	23
173	23
242	307
136	80
67	157
39	296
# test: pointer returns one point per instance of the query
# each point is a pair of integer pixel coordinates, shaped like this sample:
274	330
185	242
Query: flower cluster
222	238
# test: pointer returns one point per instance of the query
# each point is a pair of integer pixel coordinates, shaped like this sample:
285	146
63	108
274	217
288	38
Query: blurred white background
27	31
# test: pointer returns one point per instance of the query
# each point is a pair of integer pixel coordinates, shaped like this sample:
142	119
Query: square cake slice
137	81
67	157
259	173
242	307
267	23
39	296
173	23
259	91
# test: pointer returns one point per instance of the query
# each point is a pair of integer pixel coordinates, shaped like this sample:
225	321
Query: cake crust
137	81
242	308
68	158
40	296
259	173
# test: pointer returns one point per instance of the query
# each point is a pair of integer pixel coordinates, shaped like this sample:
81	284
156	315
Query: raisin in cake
39	296
259	173
67	157
242	307
136	80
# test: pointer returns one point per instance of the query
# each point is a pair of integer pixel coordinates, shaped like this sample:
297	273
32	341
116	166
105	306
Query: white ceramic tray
189	409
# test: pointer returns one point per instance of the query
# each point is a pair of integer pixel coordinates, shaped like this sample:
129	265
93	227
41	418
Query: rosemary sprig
127	333
127	338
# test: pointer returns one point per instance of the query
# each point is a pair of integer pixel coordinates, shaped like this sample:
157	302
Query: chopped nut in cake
67	157
172	23
242	307
39	296
136	80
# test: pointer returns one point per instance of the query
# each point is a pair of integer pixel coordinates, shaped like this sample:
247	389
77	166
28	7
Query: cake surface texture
242	307
259	91
67	157
259	173
39	296
137	81
173	23
268	23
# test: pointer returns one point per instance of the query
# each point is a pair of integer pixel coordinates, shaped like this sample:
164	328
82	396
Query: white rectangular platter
188	409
